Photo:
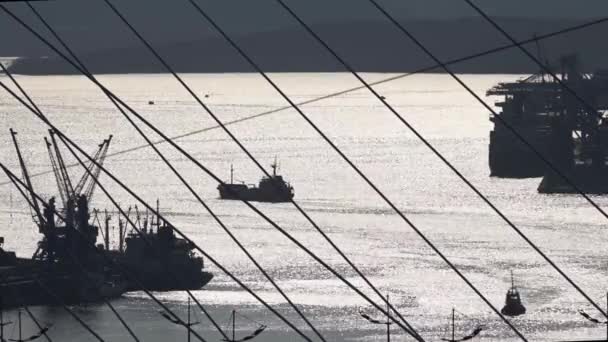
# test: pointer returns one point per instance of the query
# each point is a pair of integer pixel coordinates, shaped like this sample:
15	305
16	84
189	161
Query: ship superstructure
566	129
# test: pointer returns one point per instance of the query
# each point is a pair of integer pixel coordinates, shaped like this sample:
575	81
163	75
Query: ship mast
233	324
388	319
120	233
28	181
188	324
512	281
106	238
232	327
19	318
274	167
380	321
157	214
453	325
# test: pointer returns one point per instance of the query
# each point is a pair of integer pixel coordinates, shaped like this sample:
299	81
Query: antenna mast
19	315
274	167
453	325
512	280
233	324
388	319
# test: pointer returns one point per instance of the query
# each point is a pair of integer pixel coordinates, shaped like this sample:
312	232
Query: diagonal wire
208	256
433	149
239	244
77	60
557	79
217	179
39	112
252	63
151	209
17	182
66	308
460	175
44	287
33	318
230	234
107	302
234	138
568	29
533	58
372	185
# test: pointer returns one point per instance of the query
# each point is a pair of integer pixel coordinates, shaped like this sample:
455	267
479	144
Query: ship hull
170	274
589	179
509	157
26	287
155	278
241	192
513	310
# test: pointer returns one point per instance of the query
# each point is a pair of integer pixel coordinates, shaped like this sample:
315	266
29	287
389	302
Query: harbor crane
86	184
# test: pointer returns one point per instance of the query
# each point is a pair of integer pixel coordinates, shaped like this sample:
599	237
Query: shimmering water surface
394	258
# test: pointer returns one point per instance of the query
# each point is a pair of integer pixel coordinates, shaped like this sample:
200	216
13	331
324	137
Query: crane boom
28	181
83	180
69	189
97	170
58	178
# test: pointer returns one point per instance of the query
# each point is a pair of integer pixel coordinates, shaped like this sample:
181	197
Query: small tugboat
513	305
272	189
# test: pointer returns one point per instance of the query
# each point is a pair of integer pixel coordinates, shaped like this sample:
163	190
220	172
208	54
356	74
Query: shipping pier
565	126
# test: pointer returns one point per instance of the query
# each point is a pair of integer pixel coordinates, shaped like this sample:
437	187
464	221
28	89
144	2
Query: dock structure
567	130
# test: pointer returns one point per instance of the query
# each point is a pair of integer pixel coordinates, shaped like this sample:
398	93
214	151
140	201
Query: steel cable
346	91
217	179
459	174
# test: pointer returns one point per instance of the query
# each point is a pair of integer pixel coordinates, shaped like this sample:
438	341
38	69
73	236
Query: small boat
513	305
272	189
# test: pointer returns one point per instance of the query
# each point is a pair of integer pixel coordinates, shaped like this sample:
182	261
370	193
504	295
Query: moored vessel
160	261
272	189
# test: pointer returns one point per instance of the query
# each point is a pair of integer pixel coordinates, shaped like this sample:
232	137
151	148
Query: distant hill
373	46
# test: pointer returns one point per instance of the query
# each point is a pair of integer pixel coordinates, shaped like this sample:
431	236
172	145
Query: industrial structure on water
563	121
69	267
